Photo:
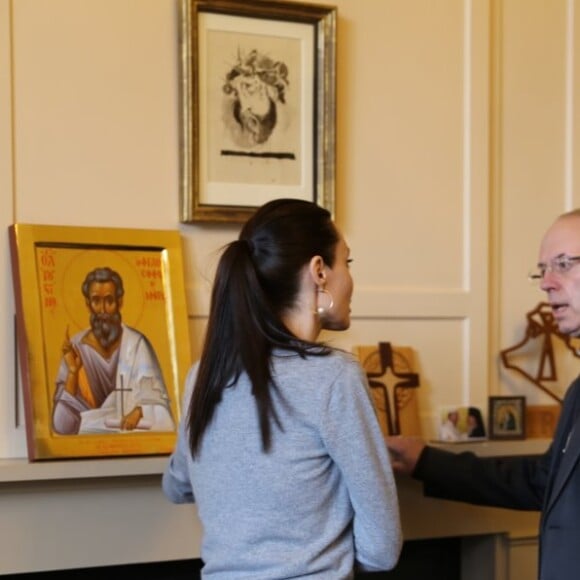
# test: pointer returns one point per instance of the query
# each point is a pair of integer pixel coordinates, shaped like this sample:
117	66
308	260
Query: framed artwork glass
257	89
507	417
103	340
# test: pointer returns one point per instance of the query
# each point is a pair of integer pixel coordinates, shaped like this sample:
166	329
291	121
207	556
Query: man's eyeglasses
559	265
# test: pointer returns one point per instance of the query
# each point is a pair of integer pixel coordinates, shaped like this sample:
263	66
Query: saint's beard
106	328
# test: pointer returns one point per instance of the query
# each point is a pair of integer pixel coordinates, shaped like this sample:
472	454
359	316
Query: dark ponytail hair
256	282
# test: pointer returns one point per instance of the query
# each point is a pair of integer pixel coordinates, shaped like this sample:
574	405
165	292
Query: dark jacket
549	482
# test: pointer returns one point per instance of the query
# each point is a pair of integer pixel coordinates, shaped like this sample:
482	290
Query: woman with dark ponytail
280	446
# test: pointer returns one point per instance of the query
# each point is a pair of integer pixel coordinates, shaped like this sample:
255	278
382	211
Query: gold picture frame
120	293
258	106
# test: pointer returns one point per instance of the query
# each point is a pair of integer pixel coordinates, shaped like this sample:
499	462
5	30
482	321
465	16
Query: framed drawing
507	417
102	339
257	89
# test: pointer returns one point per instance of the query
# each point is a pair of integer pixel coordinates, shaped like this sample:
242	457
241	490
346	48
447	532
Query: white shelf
495	448
21	470
44	500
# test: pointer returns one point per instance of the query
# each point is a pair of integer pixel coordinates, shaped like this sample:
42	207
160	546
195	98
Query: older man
551	482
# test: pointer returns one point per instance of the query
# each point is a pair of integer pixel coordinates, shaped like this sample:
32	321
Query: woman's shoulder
331	363
344	358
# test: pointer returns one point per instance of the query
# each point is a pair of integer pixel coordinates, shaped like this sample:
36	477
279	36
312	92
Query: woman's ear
317	270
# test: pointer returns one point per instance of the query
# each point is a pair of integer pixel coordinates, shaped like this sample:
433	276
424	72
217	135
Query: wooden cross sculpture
391	386
541	326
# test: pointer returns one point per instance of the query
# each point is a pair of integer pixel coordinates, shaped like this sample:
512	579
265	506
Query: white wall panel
536	144
402	159
98	145
96	112
12	436
441	363
412	182
89	136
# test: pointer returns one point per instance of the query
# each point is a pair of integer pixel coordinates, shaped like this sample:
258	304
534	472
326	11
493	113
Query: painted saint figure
507	420
255	88
109	378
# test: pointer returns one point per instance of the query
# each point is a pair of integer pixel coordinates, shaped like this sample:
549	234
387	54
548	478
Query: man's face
562	288
257	110
102	298
105	312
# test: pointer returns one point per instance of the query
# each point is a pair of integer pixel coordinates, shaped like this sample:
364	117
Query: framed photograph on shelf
460	424
258	92
103	339
507	417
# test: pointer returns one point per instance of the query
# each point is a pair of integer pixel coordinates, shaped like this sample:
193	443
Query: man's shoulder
132	333
135	343
573	391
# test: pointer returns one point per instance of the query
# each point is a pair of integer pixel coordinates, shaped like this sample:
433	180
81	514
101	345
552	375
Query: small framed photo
507	417
460	424
103	339
257	99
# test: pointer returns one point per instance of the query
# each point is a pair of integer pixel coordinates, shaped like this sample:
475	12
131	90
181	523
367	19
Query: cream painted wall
89	130
456	127
95	112
536	144
12	432
412	185
95	142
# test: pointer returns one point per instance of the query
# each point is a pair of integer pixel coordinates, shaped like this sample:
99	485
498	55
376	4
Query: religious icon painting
258	113
102	339
507	417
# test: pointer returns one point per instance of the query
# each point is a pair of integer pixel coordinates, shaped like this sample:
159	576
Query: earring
320	310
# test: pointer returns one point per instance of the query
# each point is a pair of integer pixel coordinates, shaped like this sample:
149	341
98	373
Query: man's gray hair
102	275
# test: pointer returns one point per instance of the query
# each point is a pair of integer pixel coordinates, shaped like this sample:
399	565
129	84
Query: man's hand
130	421
71	355
405	452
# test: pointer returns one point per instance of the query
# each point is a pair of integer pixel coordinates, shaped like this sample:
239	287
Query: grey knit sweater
323	500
